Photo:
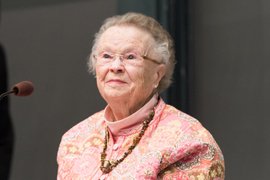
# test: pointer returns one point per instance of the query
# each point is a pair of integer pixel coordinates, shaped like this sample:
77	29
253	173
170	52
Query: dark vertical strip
161	17
158	11
178	28
6	129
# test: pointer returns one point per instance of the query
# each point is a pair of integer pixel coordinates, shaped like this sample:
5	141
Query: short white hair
164	43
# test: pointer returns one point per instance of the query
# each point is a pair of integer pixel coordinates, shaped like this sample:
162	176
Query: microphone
24	88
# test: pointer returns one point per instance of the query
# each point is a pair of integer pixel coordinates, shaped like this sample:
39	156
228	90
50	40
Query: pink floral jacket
174	146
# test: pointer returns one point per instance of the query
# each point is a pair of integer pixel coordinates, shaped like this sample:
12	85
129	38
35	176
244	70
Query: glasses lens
132	59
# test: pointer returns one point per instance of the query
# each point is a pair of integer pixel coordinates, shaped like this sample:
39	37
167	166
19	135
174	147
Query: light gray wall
231	88
48	45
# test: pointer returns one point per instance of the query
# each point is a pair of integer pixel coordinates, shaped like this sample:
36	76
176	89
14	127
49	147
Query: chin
117	94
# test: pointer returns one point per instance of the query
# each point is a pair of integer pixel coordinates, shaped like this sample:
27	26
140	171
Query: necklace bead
107	165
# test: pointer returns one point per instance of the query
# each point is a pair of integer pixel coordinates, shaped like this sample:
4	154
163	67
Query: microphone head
24	88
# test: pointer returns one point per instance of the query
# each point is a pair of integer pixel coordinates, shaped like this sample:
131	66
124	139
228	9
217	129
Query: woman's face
119	81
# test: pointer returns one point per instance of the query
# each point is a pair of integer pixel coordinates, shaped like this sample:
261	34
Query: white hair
164	44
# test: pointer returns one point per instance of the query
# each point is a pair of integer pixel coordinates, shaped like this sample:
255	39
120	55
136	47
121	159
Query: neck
123	109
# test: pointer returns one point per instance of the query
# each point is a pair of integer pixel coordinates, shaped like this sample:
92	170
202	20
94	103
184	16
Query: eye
131	57
106	56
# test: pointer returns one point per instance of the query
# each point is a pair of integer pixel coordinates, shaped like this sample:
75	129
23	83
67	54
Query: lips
117	81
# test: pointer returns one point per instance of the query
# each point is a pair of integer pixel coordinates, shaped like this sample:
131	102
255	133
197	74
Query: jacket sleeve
197	158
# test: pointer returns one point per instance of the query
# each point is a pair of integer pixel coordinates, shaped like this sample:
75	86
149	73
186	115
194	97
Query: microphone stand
15	90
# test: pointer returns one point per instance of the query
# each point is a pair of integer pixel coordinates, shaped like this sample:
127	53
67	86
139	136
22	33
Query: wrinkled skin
127	88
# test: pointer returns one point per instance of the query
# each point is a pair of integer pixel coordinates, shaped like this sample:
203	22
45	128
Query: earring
155	86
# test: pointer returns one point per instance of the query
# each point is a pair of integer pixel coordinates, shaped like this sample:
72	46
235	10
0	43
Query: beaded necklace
108	165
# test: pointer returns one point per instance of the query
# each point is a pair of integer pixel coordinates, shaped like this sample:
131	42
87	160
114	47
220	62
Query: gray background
48	45
47	42
231	88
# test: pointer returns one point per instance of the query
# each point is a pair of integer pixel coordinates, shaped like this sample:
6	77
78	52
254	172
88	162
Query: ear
161	70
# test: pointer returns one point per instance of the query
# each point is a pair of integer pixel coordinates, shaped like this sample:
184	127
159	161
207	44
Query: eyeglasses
128	58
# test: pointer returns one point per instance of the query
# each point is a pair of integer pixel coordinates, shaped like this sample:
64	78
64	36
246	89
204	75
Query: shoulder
180	120
80	144
89	132
188	131
83	128
177	123
188	145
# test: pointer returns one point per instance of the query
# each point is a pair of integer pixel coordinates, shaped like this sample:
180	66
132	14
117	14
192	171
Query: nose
117	65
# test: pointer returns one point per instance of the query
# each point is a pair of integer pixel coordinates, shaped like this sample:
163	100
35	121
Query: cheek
140	79
100	77
101	72
143	79
149	73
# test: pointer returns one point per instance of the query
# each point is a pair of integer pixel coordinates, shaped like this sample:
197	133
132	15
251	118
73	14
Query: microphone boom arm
9	92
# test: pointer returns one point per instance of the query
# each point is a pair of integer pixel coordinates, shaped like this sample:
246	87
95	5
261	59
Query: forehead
126	35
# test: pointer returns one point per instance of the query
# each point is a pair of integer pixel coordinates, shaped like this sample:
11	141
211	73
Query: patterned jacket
174	146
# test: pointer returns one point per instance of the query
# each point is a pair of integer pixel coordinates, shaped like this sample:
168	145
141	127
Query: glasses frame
144	57
152	60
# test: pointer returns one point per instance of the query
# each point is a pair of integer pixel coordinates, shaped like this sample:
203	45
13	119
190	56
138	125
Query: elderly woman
137	136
